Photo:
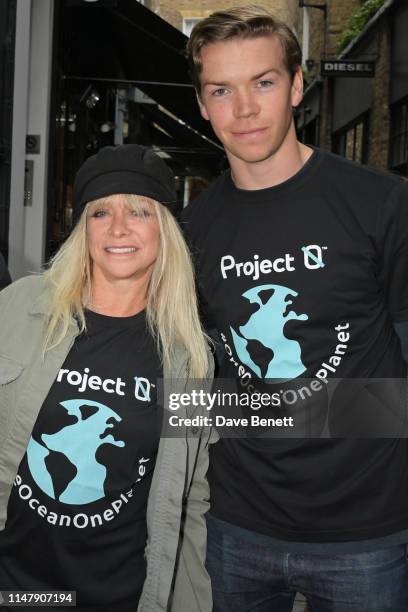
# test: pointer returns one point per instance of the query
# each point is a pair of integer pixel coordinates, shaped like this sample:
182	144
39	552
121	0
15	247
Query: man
302	258
4	274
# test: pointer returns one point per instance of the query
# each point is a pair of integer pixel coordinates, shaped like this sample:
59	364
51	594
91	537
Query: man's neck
270	172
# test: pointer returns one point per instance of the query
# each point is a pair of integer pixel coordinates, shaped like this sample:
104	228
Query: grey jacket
176	577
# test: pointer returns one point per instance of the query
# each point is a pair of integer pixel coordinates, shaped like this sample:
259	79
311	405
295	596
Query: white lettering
64	518
256	267
105	384
74	378
25	495
94	383
225	266
61	374
96	519
84	381
81	520
116	505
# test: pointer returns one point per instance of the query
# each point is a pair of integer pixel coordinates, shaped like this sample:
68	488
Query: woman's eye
99	213
140	213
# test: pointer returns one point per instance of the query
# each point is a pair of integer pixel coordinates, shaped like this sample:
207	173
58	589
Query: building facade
69	88
183	14
363	118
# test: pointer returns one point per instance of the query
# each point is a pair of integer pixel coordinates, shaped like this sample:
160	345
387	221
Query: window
398	161
189	23
351	141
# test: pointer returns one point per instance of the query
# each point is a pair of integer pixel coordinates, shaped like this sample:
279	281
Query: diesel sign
347	68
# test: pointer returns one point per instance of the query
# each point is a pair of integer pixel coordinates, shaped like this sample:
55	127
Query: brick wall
174	11
380	111
338	15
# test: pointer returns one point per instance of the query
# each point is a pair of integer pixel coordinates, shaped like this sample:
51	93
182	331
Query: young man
302	258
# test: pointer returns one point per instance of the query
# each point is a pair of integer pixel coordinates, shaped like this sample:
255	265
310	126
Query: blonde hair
240	22
172	310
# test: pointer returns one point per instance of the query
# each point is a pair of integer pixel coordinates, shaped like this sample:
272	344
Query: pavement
300	604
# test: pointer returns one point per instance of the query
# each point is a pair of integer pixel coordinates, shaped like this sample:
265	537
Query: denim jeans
249	577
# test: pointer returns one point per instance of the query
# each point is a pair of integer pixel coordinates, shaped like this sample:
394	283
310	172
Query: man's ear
202	108
297	87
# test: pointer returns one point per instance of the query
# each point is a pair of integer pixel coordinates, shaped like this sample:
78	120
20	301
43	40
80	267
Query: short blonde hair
172	310
240	22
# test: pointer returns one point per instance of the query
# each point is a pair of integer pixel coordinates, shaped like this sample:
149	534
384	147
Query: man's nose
246	104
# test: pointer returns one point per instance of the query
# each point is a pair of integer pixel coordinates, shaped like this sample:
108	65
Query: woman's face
123	240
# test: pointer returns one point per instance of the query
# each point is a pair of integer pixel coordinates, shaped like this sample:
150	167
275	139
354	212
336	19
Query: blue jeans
249	577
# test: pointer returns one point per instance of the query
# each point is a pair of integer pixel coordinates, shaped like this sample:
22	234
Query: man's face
247	94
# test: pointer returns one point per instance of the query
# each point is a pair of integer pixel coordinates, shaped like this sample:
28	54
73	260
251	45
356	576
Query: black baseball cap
130	168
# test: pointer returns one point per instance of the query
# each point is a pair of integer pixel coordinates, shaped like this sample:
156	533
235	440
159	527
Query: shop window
351	141
398	161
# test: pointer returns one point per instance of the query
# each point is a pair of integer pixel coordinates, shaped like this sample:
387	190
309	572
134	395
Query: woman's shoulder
23	293
31	282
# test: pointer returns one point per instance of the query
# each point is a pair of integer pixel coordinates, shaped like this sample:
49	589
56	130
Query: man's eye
221	91
265	84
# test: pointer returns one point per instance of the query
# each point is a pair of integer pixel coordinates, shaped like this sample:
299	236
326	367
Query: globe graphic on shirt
81	478
261	343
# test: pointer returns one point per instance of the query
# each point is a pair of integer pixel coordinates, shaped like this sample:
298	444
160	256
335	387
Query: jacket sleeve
192	586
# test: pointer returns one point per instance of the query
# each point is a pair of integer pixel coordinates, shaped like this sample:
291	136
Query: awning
194	155
123	41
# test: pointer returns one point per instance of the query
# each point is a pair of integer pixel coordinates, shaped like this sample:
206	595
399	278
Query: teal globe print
77	444
276	356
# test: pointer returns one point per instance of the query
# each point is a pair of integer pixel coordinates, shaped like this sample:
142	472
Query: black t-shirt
303	281
77	510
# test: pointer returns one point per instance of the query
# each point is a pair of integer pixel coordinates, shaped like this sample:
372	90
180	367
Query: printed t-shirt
77	510
303	282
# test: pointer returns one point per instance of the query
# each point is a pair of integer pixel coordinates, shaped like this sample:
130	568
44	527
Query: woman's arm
192	586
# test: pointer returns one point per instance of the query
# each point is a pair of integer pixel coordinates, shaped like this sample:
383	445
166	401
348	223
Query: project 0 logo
78	443
277	356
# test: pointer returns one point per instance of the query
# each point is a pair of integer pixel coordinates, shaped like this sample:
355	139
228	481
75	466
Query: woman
85	479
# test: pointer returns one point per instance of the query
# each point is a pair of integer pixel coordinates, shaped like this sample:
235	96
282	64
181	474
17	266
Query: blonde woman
91	499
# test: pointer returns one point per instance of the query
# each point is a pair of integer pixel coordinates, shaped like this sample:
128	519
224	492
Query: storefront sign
347	68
